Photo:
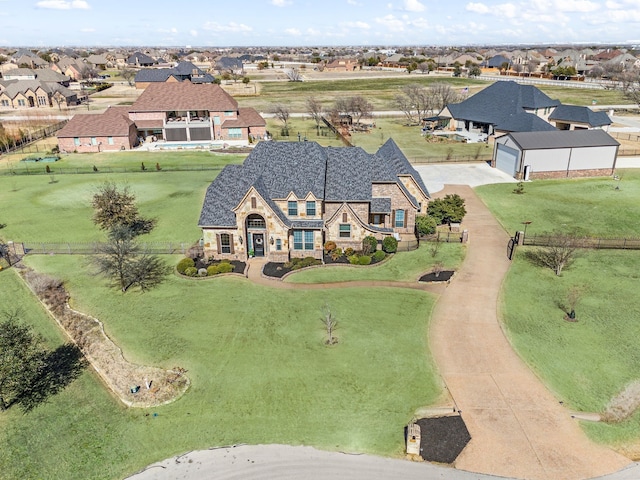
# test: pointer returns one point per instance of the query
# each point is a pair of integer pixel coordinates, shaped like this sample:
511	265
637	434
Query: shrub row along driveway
518	428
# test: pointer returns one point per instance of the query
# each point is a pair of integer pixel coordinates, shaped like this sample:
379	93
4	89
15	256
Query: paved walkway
518	428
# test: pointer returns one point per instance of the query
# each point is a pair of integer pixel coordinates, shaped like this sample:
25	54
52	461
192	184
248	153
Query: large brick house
170	112
288	198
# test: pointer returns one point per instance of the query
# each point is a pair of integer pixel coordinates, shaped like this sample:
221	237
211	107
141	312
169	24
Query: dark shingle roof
139	58
275	169
563	139
154	74
496	103
524	122
399	163
577	114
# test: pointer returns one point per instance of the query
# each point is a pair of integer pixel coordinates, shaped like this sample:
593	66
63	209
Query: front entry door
258	244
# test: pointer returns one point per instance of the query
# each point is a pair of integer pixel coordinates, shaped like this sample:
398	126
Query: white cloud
230	27
280	3
63	4
480	8
357	24
88	30
508	10
174	30
353	2
194	33
293	31
413	6
391	23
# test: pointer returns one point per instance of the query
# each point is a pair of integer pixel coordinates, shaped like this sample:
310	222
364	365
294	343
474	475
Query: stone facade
597	172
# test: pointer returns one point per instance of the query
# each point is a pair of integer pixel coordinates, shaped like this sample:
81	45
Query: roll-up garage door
507	159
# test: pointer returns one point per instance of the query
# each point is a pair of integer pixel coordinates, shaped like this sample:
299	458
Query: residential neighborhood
343	258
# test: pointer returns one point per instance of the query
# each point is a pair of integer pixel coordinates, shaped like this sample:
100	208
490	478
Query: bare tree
315	110
360	107
559	253
330	324
294	75
630	85
532	66
518	68
282	113
129	74
414	101
443	94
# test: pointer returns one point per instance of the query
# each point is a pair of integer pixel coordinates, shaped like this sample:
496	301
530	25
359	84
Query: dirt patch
622	406
443	276
442	438
134	385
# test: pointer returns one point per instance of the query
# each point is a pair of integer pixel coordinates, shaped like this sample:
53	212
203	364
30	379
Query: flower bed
200	268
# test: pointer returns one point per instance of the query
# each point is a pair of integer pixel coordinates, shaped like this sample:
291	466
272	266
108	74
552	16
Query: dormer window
311	209
292	208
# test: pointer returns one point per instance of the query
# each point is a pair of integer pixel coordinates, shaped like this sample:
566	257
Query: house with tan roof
34	94
173	112
111	130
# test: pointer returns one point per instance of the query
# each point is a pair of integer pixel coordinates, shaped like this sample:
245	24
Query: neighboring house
229	64
288	198
186	112
99	62
558	154
173	112
497	61
42	74
70	67
139	59
111	130
572	117
341	65
182	71
35	94
504	106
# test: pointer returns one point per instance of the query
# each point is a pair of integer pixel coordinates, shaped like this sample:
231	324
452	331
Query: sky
215	23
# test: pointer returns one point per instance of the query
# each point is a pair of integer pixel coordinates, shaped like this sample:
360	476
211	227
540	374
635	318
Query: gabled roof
154	74
229	63
497	60
524	122
139	58
164	97
577	114
114	122
187	68
496	103
247	117
332	174
563	139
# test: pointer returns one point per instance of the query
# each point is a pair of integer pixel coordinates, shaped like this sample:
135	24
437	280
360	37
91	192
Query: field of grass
402	267
259	369
36	210
589	206
590	361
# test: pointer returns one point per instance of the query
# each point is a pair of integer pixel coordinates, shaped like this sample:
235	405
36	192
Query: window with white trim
311	208
94	141
278	244
76	141
235	133
225	243
302	240
399	220
345	230
292	208
110	140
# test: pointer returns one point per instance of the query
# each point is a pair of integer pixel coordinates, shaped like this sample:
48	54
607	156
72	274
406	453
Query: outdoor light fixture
240	239
271	240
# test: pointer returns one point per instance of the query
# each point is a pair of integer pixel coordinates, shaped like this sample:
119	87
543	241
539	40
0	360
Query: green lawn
588	362
402	267
119	162
36	210
259	370
590	206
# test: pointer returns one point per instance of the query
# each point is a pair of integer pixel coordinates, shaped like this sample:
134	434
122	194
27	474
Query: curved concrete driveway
518	428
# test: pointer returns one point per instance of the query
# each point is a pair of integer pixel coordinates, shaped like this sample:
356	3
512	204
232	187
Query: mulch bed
444	276
239	266
442	439
328	260
275	269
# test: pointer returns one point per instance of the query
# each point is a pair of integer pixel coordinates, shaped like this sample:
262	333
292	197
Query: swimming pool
192	145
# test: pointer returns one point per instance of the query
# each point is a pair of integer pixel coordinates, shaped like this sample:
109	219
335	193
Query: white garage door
507	159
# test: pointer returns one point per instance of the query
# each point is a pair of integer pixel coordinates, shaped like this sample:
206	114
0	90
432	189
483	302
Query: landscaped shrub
425	224
364	260
226	267
298	263
349	251
330	246
212	270
336	254
184	264
449	209
369	244
191	271
379	256
353	259
390	244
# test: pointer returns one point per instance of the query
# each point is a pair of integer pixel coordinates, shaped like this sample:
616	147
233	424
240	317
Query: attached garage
557	154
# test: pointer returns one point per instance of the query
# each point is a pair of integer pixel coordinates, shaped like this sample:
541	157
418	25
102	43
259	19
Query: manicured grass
590	206
578	96
36	210
590	361
118	162
259	369
402	267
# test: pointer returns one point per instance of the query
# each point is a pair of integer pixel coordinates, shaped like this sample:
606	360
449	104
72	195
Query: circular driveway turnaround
518	429
437	175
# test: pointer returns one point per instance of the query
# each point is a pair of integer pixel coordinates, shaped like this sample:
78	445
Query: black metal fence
584	242
23	144
37	168
92	248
